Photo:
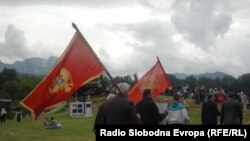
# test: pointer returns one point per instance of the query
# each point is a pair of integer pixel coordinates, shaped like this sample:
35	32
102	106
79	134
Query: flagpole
78	31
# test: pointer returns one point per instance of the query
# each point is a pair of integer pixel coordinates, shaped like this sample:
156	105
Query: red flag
76	66
155	79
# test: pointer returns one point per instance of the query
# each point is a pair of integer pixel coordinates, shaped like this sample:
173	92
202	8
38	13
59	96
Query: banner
155	79
76	66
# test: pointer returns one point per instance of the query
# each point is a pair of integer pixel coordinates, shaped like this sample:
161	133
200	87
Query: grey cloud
104	53
14	37
159	36
146	3
239	48
202	22
153	35
14	45
154	38
91	3
150	39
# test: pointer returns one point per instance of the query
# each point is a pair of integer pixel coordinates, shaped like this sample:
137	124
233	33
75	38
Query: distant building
84	93
7	103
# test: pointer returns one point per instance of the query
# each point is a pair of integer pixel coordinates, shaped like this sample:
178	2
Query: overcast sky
190	36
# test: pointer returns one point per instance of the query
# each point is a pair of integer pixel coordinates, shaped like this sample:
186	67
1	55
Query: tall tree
229	83
8	74
174	81
191	82
244	82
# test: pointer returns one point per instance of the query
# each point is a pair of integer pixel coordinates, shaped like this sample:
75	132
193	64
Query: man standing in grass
3	115
231	112
118	110
209	111
148	110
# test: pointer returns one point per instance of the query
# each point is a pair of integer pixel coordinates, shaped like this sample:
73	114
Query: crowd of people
201	94
120	110
18	114
231	111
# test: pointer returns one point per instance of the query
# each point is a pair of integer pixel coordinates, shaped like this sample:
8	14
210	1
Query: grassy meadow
74	129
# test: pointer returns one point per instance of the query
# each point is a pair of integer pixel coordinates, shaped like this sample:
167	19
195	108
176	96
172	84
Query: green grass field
74	129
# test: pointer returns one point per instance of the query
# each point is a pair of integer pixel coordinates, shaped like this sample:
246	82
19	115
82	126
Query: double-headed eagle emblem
148	82
62	82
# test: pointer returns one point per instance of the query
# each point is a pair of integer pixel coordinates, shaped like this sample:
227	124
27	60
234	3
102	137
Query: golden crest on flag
62	82
148	82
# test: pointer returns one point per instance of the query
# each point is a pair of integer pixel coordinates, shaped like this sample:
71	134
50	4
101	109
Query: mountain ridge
34	65
40	66
212	75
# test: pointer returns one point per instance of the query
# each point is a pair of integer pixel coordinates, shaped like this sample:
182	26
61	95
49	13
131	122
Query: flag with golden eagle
76	66
155	79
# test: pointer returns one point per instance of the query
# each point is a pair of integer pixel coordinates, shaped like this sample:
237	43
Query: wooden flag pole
78	31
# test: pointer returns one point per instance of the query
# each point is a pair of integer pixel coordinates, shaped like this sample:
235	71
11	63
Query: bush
11	115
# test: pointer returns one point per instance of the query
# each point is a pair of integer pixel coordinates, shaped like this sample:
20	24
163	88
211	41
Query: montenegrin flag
77	66
155	79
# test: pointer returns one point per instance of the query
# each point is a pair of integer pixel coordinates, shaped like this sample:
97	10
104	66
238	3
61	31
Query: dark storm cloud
202	22
14	45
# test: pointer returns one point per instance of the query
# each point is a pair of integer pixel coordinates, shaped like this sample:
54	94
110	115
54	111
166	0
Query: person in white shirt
3	115
244	100
177	113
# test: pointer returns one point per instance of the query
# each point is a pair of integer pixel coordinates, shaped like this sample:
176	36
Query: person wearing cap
209	111
231	112
118	110
148	110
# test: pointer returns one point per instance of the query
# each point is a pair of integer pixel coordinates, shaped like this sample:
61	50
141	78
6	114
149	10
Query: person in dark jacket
209	111
231	112
148	110
99	117
118	110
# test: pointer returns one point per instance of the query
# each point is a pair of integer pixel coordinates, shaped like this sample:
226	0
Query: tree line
228	82
16	86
